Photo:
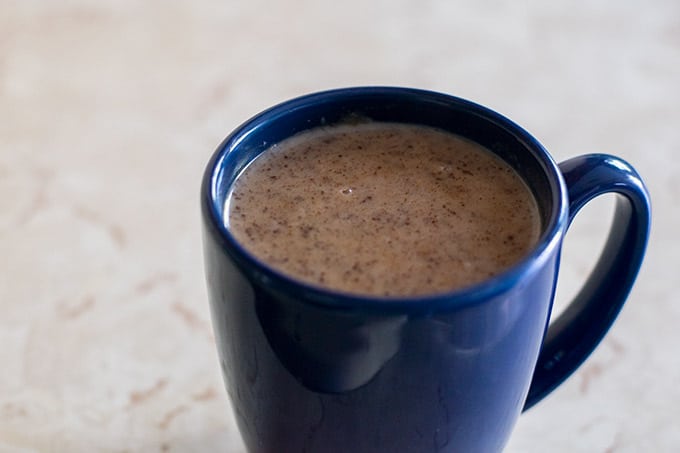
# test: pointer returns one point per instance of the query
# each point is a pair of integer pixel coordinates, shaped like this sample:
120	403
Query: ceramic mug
315	370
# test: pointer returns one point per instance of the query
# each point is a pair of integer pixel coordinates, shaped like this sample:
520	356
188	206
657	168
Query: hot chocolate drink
383	209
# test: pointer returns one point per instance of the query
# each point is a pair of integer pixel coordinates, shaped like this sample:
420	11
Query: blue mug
315	370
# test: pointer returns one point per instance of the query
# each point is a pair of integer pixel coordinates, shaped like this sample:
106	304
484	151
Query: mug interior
398	105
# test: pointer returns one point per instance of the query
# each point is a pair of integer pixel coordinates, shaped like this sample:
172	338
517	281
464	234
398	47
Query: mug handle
579	329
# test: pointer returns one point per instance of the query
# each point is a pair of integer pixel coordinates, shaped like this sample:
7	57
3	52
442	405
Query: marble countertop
109	111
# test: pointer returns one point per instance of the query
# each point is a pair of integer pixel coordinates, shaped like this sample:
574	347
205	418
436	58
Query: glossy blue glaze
573	336
312	370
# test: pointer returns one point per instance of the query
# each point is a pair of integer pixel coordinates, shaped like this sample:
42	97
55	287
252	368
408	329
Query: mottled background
110	109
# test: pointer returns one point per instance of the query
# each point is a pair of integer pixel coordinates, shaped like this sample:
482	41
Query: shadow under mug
314	370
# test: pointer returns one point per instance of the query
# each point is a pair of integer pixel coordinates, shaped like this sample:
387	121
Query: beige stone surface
109	111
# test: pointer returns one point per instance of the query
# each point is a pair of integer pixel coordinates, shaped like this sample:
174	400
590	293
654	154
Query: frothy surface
383	209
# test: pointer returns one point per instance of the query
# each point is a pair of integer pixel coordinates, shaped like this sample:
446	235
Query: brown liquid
383	209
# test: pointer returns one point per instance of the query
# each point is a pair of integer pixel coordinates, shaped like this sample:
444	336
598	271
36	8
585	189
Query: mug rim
275	280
